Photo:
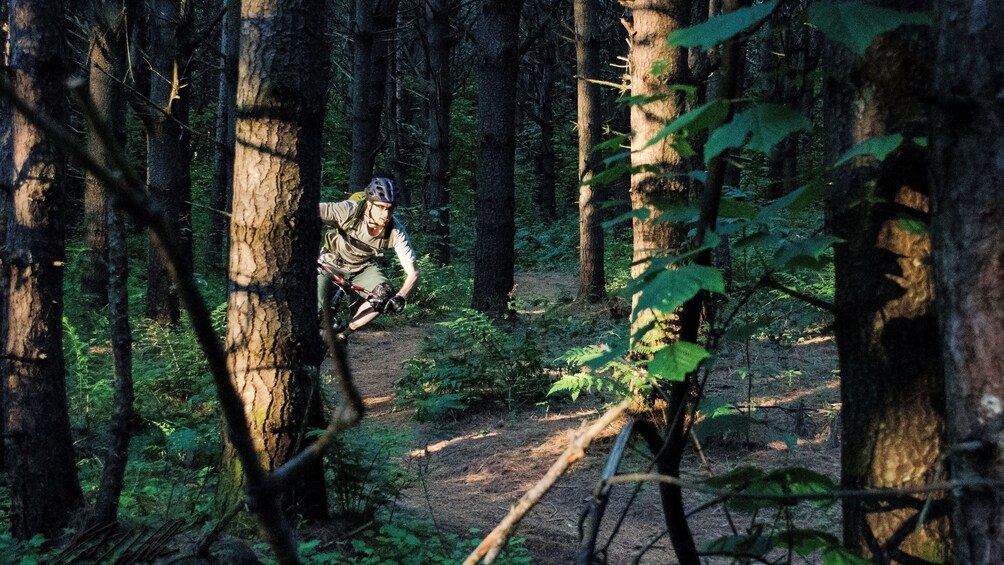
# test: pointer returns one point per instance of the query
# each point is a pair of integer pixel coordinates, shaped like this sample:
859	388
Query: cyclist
357	231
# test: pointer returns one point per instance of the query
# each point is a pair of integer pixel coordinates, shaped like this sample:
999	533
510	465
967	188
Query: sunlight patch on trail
438	446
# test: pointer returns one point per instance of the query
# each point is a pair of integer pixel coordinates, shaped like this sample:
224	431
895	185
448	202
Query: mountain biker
357	231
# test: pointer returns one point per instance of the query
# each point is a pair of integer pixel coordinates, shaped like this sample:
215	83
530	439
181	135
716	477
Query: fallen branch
492	545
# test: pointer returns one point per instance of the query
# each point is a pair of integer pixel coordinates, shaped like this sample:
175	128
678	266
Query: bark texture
655	189
371	53
272	339
498	66
223	161
886	325
107	70
969	260
168	154
439	99
44	489
592	277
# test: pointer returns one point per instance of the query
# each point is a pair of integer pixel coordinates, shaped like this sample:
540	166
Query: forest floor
470	471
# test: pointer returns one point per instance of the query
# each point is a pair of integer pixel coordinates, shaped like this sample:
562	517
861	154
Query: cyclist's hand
395	304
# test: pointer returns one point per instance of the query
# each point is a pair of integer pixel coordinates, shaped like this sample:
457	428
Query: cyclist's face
379	213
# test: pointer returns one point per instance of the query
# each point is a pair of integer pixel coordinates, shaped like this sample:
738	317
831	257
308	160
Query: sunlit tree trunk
168	156
892	388
498	67
439	99
44	489
968	209
272	326
592	278
223	161
654	189
6	190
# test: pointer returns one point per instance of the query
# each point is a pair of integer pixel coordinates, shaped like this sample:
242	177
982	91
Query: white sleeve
336	213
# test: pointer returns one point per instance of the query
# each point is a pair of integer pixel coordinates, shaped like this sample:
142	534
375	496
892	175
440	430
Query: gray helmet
380	190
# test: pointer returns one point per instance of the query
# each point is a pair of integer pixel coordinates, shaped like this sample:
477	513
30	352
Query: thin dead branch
495	541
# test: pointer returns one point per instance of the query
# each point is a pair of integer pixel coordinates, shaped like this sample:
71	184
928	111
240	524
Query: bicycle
334	317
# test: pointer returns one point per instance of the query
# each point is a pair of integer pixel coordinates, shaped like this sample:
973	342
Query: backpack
343	230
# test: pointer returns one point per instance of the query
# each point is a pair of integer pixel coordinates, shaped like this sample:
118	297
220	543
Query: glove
395	304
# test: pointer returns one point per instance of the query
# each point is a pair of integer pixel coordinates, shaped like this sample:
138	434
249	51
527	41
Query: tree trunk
968	209
271	309
223	163
168	156
498	68
440	97
592	278
542	113
396	94
886	324
654	191
6	190
44	489
374	22
107	69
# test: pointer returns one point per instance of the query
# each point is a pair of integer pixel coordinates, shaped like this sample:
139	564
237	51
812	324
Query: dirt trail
473	470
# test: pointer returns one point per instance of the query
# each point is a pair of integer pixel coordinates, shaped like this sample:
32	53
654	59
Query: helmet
380	190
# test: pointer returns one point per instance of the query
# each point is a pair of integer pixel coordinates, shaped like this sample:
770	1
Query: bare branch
493	543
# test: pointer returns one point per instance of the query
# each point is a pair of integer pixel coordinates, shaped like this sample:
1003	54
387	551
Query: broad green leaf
616	157
738	478
674	361
640	213
609	174
736	209
614	142
670	288
718	29
879	147
856	23
804	252
795	201
912	225
744	545
709	115
804	542
842	556
919	141
764	125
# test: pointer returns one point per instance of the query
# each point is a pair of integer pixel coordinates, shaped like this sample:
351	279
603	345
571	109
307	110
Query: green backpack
343	230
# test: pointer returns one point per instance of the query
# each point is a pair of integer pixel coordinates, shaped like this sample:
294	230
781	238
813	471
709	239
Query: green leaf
841	556
804	542
676	360
764	125
744	545
718	29
640	213
736	209
912	225
614	142
670	288
709	115
879	147
795	201
856	23
804	252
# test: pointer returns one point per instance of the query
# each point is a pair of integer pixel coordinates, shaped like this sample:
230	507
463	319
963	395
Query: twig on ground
492	545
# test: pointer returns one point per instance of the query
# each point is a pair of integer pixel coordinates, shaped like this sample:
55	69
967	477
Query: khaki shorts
369	278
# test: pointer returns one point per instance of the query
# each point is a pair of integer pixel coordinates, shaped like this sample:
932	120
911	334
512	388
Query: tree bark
168	155
107	70
592	277
44	489
542	113
439	99
654	191
892	388
223	162
968	228
374	22
272	335
498	68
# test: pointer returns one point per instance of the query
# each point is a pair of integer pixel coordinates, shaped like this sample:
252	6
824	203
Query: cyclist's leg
369	278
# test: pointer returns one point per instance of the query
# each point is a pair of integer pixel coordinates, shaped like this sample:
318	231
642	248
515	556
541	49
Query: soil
474	469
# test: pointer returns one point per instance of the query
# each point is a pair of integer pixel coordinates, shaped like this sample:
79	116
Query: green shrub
470	363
